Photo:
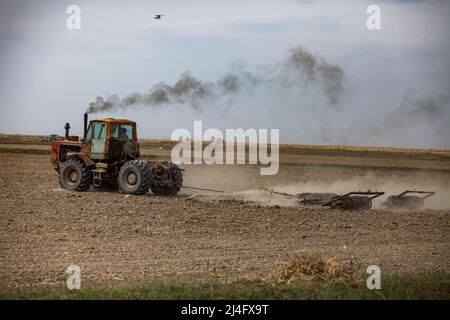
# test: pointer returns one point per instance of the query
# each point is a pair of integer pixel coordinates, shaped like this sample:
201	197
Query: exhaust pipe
85	126
67	127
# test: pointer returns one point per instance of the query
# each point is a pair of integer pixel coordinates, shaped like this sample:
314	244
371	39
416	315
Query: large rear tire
134	177
75	176
177	175
167	178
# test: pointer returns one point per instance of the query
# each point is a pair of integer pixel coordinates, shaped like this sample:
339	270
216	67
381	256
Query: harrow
353	200
358	200
306	198
405	201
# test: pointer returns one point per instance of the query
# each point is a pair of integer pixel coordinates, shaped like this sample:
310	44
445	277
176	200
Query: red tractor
108	156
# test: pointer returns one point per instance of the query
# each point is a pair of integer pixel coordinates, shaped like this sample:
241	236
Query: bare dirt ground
118	239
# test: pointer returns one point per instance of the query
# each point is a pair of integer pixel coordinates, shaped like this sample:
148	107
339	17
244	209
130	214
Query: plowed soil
120	239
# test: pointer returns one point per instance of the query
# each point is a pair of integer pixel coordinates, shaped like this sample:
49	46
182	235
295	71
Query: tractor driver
123	133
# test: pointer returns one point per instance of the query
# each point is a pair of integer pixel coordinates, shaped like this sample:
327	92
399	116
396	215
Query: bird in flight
158	16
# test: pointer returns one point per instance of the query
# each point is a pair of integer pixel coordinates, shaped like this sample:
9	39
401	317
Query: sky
393	84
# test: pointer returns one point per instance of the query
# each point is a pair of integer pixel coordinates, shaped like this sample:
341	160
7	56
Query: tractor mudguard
83	156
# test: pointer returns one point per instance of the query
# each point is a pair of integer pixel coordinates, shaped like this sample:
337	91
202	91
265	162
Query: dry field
118	239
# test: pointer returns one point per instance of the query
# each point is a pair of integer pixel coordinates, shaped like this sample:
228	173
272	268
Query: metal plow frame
395	201
338	198
428	193
370	196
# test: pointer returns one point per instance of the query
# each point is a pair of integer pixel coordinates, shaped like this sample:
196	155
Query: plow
405	200
306	198
357	200
353	200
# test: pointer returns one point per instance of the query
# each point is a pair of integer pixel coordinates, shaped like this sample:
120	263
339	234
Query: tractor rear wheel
75	176
134	177
167	178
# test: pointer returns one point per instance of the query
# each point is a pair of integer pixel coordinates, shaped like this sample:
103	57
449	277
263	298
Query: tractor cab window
99	131
98	140
122	132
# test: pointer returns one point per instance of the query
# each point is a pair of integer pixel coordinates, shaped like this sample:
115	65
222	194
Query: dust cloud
391	185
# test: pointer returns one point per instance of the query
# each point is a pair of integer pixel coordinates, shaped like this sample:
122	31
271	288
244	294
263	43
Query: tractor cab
111	140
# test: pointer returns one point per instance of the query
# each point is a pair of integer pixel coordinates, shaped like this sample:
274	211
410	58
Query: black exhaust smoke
299	68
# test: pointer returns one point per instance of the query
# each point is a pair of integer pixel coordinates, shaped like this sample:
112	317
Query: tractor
108	156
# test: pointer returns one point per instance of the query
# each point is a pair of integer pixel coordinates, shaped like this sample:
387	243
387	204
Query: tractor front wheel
134	177
75	176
